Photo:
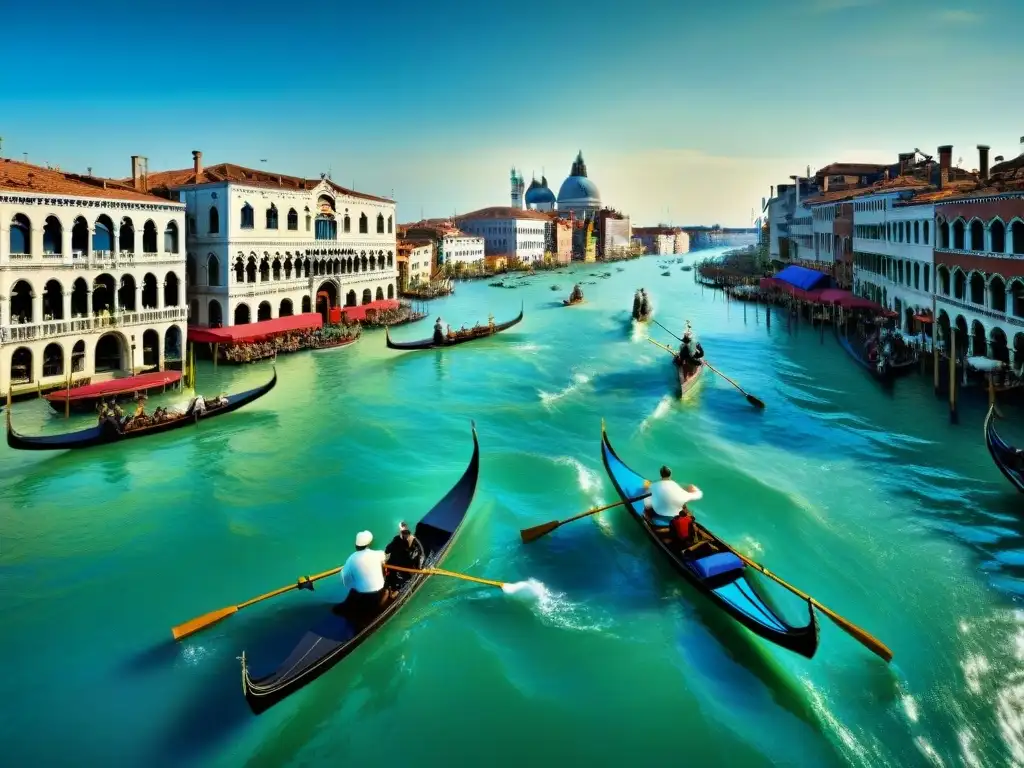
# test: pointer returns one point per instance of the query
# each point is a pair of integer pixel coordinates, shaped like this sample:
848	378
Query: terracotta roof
415	243
851	169
504	212
16	176
228	172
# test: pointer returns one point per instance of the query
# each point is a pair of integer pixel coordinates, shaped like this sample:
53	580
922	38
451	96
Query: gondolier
668	498
637	302
438	331
363	573
690	351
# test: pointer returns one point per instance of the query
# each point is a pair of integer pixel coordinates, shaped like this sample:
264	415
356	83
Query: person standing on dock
363	574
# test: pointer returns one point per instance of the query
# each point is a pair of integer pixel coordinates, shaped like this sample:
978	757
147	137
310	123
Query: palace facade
263	245
92	277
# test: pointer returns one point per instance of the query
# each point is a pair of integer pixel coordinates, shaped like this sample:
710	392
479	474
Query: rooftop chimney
945	161
906	158
139	173
983	162
824	183
197	162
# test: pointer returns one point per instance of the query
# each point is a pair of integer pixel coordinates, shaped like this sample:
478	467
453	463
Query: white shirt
364	571
668	497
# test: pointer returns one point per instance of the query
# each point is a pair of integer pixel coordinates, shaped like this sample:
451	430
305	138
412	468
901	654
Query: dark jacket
404	557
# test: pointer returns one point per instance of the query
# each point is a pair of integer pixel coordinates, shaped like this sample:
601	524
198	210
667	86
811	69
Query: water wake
578	380
664	406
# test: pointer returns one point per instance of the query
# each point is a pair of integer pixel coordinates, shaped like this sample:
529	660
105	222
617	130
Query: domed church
578	193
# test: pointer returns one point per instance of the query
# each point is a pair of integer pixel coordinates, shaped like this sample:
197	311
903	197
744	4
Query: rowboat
643	318
689	383
471	335
1003	454
568	303
107	432
339	634
713	568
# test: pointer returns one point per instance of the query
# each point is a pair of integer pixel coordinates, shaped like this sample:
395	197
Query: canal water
872	502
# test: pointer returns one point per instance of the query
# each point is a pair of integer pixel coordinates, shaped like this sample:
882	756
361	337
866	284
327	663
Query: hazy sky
685	112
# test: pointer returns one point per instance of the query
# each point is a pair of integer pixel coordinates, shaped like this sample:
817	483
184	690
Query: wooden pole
215	352
935	362
67	397
953	417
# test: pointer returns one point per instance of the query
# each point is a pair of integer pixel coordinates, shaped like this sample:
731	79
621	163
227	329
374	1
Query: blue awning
803	278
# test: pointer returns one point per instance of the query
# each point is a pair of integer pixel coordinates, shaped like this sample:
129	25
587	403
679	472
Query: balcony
106	260
979	309
81	325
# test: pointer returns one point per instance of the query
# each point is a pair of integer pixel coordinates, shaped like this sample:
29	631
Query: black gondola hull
338	636
429	343
1003	454
104	434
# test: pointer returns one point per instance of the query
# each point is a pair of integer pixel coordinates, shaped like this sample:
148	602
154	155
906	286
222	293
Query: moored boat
1005	456
336	343
339	634
83	399
459	337
883	369
713	568
109	432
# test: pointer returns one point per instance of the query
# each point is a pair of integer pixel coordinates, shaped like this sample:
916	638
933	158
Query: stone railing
981	310
984	254
81	325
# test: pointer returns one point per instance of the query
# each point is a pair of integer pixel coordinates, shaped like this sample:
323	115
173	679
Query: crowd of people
111	413
251	351
403	313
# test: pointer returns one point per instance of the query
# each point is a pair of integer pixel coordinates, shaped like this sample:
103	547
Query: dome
578	188
539	195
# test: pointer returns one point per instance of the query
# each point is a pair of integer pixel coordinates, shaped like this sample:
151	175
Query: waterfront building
559	232
614	234
92	277
264	245
979	261
416	259
451	245
657	241
682	243
513	232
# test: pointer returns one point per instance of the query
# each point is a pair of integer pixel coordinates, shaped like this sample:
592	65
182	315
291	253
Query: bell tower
518	187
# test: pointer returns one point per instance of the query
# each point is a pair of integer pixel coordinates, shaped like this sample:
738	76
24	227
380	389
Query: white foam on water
1010	716
193	655
528	347
966	739
910	707
588	480
929	751
530	589
578	380
974	667
664	406
829	718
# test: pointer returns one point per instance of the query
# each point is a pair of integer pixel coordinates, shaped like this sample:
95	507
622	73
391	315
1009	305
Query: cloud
959	17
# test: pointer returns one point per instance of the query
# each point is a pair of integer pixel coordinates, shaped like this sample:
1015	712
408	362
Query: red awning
924	318
252	331
834	296
141	382
357	314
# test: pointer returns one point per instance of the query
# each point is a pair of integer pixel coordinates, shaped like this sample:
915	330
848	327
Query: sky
686	112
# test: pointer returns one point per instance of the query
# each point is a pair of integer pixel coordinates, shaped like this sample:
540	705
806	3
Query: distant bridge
706	237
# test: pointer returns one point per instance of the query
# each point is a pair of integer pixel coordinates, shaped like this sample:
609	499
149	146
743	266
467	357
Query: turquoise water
873	503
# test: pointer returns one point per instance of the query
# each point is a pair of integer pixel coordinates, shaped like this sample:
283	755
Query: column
138	297
115	244
37	307
88	303
5	240
160	294
65	246
66	301
5	312
35	243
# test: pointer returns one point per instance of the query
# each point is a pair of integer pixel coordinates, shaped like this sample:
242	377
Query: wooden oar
442	572
207	619
532	534
864	637
756	402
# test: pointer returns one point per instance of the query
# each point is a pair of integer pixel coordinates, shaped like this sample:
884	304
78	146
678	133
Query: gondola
885	373
1003	454
713	569
688	384
107	432
337	635
642	318
336	344
569	303
485	332
83	399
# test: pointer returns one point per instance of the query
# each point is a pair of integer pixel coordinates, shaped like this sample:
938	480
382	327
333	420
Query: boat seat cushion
717	564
